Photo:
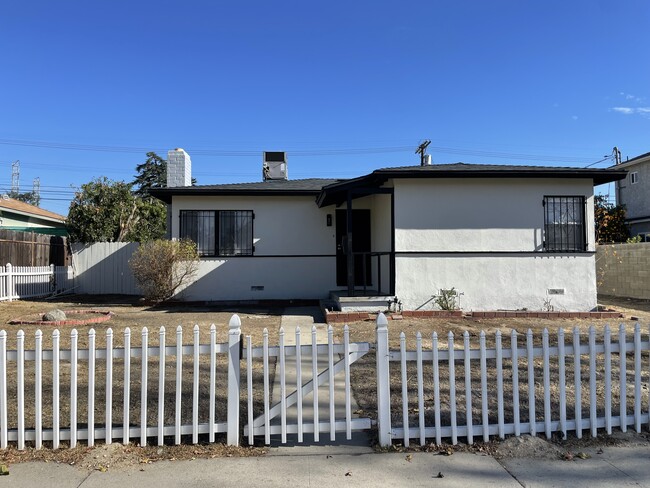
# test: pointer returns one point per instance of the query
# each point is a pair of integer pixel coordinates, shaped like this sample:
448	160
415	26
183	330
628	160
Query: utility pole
616	153
422	150
15	177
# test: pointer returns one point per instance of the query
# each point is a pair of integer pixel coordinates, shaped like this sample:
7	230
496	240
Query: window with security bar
564	224
219	232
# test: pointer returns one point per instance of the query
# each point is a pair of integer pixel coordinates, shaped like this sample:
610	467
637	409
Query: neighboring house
21	216
505	237
634	192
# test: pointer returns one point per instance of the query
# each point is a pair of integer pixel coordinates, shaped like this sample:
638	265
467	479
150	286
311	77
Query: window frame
634	177
565	247
216	215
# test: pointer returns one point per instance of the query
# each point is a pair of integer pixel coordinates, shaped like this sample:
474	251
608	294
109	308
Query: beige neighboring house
21	216
634	192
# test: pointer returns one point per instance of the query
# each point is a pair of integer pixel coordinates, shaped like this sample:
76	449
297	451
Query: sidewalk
617	466
305	318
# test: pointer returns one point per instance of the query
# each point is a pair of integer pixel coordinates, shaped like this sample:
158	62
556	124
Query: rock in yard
55	315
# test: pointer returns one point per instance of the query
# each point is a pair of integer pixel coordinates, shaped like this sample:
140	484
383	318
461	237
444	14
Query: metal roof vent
274	165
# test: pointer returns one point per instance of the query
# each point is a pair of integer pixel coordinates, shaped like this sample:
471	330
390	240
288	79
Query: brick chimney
179	168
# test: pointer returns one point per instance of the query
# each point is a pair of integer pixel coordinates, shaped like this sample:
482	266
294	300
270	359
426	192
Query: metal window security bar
235	233
219	233
564	224
199	226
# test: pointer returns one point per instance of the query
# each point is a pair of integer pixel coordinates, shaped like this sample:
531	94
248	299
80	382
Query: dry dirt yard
132	313
633	311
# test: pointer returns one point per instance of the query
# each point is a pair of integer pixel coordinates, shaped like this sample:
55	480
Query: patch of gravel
527	446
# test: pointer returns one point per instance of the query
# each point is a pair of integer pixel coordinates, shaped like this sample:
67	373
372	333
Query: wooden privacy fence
24	248
18	282
90	387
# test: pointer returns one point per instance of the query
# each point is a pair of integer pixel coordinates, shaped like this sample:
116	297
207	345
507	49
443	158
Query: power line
298	152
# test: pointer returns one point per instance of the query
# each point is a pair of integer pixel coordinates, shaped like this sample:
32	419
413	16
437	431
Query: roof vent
274	165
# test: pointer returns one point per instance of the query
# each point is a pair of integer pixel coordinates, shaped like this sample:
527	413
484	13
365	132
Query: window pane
236	233
199	226
564	224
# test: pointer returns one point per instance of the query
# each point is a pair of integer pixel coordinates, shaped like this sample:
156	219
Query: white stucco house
505	237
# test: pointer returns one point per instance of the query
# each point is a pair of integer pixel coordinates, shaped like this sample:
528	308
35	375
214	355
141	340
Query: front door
360	244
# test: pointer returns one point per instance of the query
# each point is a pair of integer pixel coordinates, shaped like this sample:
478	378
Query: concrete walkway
306	318
616	466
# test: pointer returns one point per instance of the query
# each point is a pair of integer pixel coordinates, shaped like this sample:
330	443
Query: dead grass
132	314
364	381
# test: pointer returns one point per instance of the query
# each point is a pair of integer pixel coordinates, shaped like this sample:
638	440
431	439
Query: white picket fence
17	282
70	360
530	386
566	358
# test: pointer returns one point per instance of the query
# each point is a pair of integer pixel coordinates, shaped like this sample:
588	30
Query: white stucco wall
294	251
498	282
478	214
484	238
282	225
282	278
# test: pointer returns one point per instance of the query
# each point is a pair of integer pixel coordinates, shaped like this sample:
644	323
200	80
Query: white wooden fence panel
103	268
18	282
539	363
594	361
75	360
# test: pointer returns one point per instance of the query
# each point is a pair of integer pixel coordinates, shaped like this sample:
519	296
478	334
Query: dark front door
360	244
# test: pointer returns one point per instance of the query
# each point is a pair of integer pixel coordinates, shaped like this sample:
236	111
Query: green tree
106	210
28	197
151	174
610	221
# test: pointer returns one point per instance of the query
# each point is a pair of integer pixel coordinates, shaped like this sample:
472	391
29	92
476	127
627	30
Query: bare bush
160	267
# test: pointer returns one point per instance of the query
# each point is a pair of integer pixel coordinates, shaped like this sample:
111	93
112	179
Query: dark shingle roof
329	190
311	186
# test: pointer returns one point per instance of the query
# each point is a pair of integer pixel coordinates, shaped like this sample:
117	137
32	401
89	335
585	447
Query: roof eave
33	215
599	176
166	194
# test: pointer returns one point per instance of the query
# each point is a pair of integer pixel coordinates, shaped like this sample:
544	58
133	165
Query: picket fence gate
563	373
18	282
315	356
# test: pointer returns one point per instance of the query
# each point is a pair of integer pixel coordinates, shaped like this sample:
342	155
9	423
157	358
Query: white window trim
634	177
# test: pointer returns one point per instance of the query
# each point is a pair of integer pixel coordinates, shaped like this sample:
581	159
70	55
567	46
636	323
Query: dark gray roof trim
330	191
312	186
335	193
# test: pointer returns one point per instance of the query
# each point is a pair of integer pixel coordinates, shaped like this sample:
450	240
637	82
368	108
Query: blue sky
344	87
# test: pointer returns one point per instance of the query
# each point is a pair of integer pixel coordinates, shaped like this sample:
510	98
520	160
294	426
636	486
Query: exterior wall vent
274	165
556	291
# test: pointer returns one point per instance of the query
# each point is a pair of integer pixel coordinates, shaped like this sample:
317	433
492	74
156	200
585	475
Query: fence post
52	278
10	282
383	381
234	351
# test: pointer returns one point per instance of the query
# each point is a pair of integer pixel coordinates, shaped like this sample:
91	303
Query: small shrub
447	299
160	267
